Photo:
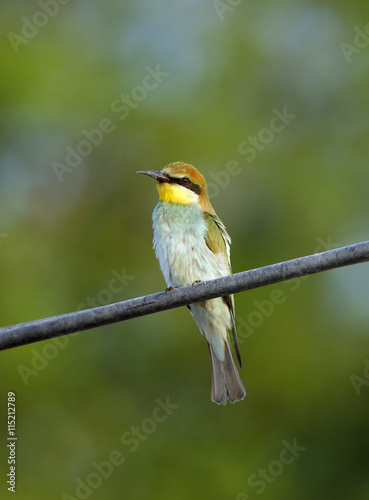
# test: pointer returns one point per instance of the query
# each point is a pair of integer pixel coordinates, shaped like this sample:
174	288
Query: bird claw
170	288
196	282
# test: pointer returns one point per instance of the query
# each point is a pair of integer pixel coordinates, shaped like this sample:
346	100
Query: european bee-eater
192	245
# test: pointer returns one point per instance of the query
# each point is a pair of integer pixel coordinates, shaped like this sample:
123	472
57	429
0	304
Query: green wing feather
218	240
215	238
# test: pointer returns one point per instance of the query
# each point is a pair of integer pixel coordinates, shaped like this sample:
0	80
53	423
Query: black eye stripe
190	185
194	187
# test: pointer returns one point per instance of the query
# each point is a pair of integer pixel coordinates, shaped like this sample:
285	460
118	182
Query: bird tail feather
226	382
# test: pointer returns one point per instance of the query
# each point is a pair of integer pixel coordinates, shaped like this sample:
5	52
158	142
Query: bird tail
226	382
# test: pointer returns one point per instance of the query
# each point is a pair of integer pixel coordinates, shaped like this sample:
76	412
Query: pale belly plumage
184	258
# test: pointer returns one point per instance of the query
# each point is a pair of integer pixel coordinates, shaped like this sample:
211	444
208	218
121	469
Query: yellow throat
173	193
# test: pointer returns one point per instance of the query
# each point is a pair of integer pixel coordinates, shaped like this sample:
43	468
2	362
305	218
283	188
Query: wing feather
218	240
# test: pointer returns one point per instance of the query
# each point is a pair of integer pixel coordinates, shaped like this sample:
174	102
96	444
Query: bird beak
155	174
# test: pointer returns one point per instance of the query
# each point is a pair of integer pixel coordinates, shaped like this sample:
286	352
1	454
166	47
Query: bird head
182	184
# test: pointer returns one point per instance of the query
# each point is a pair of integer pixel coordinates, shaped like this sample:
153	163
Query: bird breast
180	246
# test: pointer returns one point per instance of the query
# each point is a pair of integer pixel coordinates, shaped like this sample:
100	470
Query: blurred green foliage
227	68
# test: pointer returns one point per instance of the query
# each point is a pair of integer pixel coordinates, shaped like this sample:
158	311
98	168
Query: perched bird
192	245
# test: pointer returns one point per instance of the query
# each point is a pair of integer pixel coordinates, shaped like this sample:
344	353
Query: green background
229	67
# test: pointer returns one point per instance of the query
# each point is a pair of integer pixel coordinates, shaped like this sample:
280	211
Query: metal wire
48	328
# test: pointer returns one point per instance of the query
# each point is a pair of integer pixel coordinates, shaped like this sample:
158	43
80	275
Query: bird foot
196	282
170	288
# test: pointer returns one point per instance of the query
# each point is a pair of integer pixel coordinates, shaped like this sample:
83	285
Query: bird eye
184	181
